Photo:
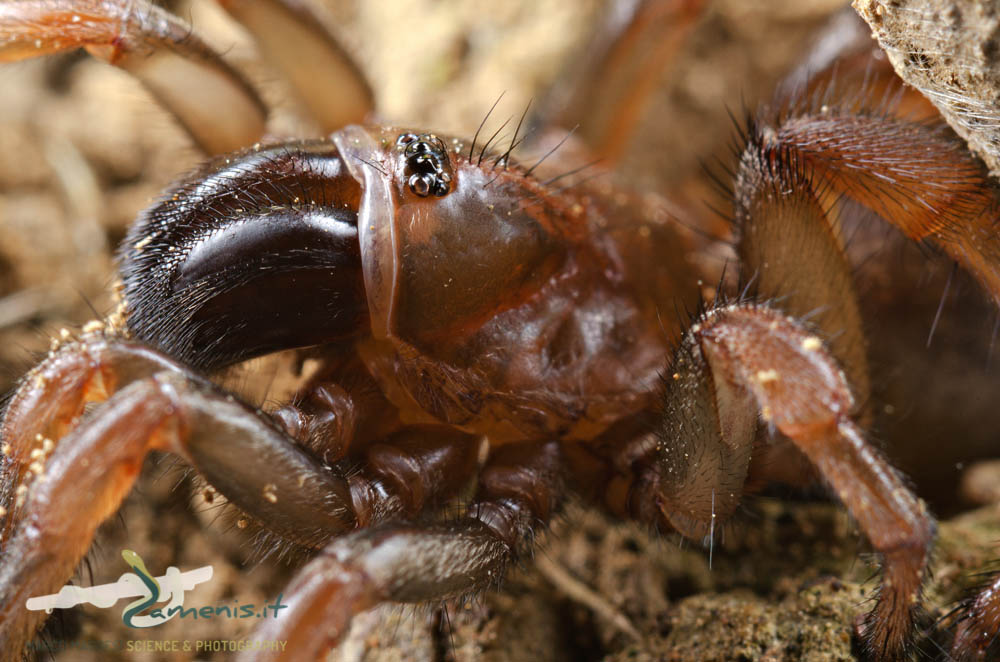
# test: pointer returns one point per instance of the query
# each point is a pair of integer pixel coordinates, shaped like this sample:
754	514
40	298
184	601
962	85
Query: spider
464	295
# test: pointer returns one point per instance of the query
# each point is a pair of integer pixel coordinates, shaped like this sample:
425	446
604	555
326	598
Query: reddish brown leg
340	410
323	421
519	489
247	458
845	71
977	632
49	402
606	90
845	66
212	101
916	176
794	254
743	360
330	85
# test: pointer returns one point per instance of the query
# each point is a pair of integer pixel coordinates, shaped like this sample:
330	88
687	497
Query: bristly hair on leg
974	621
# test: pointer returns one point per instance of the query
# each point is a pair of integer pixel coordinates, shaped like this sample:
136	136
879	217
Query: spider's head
448	242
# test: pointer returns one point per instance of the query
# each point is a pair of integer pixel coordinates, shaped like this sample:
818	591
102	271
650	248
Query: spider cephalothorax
480	330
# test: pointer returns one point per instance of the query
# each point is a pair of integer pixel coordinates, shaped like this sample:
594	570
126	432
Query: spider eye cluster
427	164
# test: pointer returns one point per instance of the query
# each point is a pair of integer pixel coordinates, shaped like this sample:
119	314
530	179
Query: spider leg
331	86
845	65
101	459
51	400
340	410
796	164
978	626
745	360
915	175
214	103
792	170
519	489
244	455
605	91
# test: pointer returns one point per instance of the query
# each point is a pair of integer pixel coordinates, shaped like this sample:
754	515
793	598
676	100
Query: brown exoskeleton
456	295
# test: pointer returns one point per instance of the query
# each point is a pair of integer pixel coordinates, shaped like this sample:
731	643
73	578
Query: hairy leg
743	361
211	100
977	629
322	73
217	107
519	489
50	401
242	453
605	91
915	175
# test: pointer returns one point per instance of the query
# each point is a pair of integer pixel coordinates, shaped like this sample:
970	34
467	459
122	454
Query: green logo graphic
140	583
135	562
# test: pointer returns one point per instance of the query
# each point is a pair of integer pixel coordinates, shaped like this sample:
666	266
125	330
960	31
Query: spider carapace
477	320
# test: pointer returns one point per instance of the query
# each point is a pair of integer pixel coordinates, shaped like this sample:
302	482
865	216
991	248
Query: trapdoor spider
476	320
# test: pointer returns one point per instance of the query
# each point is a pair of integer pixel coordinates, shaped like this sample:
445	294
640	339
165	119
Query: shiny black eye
405	139
421	184
427	164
